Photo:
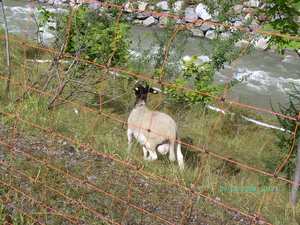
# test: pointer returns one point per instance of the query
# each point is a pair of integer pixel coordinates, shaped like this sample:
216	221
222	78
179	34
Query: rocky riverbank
240	14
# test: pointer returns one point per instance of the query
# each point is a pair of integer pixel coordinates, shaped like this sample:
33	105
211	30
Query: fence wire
41	209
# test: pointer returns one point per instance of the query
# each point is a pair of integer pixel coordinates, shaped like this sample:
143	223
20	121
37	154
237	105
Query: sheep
158	122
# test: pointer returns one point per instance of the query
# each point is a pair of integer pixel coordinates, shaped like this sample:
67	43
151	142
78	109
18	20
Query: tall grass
233	138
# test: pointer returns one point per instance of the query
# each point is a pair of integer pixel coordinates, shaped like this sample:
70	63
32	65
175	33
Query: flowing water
271	74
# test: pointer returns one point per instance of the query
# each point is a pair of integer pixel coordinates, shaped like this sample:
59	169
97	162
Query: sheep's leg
129	136
145	152
152	152
163	149
179	156
172	153
152	156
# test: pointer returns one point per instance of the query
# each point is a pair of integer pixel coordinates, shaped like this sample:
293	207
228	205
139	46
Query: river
271	73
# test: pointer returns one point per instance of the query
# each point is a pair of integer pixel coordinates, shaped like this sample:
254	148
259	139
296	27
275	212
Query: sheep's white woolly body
158	123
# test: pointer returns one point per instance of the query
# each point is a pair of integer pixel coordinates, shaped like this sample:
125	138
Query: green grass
233	138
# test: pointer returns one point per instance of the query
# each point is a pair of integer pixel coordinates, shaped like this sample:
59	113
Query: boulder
262	44
163	5
207	26
178	6
252	3
142	5
240	44
150	21
238	9
189	9
163	20
137	22
202	12
143	15
224	36
197	32
210	34
191	15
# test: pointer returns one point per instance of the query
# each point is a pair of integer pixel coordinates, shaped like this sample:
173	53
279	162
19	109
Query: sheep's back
158	122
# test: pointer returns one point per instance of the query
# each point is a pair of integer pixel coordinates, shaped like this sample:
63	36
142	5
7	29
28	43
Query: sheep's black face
141	92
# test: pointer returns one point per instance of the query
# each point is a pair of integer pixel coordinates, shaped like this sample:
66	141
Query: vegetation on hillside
87	85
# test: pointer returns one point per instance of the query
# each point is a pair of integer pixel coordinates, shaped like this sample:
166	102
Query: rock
224	36
150	21
163	20
50	2
190	26
202	12
189	9
297	19
163	5
238	23
255	22
262	17
137	22
207	26
191	15
240	44
238	9
143	15
252	3
248	11
178	6
248	16
210	34
198	24
197	32
142	5
262	44
156	16
127	5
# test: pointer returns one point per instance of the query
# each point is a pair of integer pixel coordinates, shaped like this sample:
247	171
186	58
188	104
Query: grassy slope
233	138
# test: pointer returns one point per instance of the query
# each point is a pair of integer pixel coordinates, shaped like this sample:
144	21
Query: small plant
201	78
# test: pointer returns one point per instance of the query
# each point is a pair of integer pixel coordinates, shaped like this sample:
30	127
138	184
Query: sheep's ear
136	88
153	91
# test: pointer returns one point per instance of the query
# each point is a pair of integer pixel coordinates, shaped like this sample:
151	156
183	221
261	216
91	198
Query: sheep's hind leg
152	156
129	137
145	152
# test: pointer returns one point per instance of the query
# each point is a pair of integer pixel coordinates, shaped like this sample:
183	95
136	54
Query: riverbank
244	14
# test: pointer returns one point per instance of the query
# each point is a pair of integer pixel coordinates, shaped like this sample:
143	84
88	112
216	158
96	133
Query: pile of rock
241	13
55	2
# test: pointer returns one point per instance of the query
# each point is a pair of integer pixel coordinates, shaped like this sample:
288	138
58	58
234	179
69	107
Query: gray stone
150	21
202	12
142	5
210	34
252	3
207	26
224	36
138	22
163	5
197	32
262	44
189	9
238	23
163	20
191	15
143	15
240	44
238	9
178	6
